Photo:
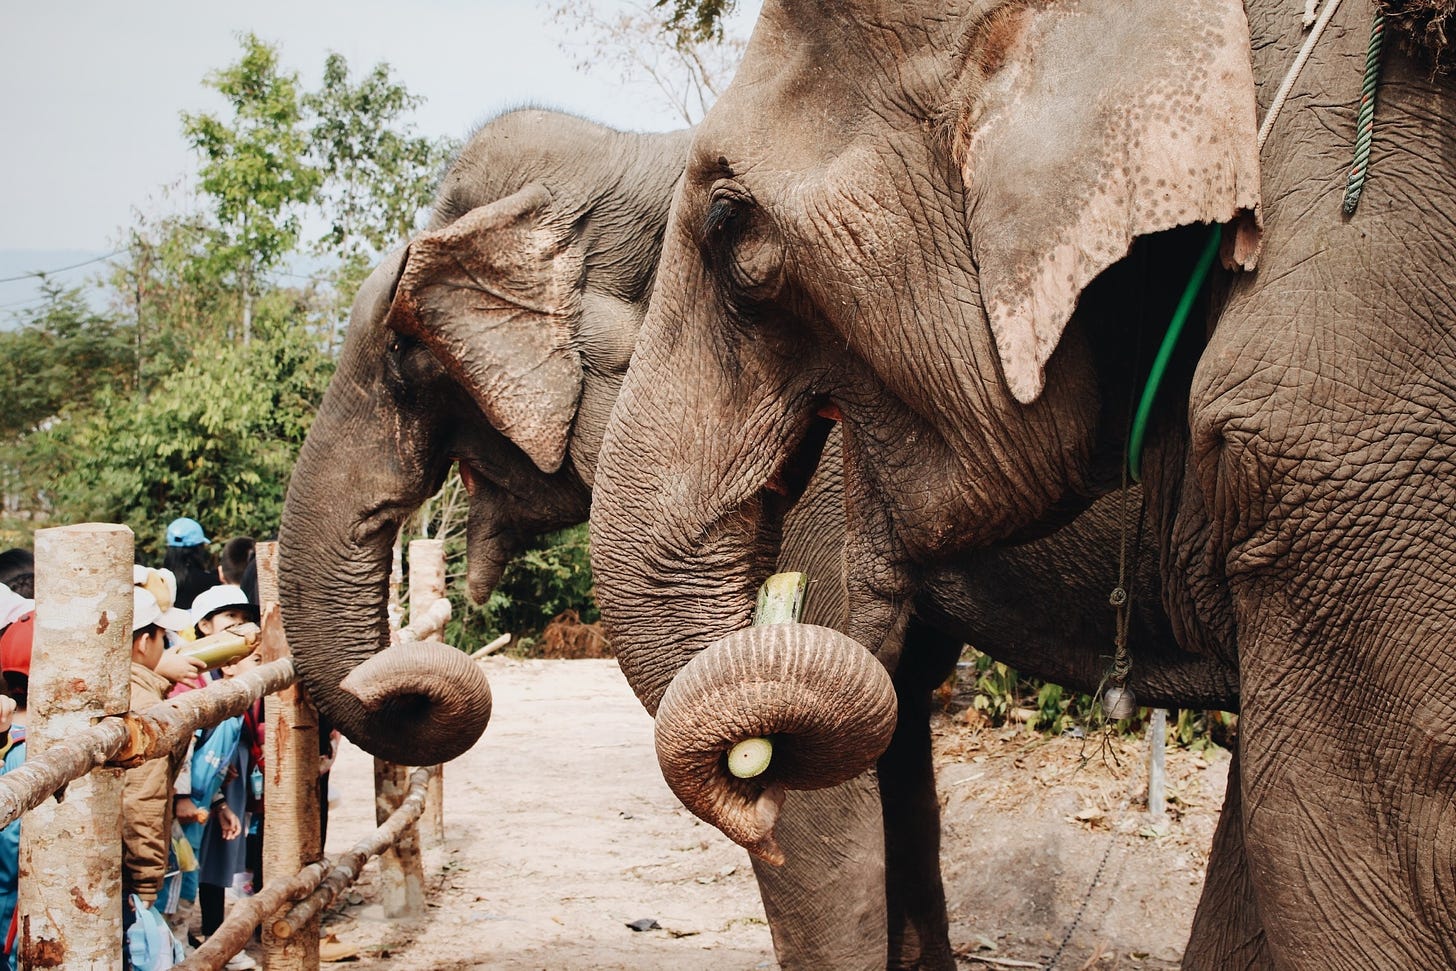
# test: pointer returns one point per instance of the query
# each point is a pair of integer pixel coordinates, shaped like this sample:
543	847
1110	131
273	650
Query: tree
254	169
695	20
377	174
175	295
62	356
216	440
689	66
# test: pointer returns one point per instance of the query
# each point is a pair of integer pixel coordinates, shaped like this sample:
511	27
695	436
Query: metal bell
1119	703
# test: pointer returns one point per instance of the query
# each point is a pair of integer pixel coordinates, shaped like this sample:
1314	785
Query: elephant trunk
678	617
335	556
430	687
823	702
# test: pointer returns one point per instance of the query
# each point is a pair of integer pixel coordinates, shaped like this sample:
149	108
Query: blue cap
186	532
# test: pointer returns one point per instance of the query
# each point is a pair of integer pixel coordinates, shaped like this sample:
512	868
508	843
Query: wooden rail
82	736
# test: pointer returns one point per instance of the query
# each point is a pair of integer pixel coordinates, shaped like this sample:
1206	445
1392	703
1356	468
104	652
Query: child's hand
228	820
7	712
179	667
188	811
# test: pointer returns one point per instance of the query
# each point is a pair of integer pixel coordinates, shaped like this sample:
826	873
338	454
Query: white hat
224	596
13	606
145	610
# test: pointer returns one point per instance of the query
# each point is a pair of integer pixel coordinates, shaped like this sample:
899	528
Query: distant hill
19	295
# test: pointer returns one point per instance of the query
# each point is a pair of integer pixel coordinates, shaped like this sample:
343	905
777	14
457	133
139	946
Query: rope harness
1365	122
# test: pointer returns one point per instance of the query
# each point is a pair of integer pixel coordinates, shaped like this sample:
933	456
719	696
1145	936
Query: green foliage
62	356
552	576
696	20
996	691
378	173
1002	697
216	440
254	168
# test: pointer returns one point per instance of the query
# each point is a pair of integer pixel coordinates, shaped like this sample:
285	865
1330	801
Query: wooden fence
81	736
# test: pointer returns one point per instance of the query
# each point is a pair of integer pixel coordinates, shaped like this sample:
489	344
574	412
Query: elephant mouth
786	485
469	476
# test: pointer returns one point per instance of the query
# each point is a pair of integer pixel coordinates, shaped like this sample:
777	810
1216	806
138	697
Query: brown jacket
146	802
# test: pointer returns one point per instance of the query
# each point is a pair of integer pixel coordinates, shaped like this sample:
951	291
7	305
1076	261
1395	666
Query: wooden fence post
1157	773
290	781
401	872
426	585
70	905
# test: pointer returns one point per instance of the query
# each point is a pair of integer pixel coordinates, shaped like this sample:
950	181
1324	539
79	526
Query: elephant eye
743	247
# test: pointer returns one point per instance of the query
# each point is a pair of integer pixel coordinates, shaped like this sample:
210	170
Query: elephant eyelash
721	222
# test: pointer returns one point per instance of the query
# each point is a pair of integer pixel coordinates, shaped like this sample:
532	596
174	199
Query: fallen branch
348	867
492	647
429	623
999	962
246	914
133	738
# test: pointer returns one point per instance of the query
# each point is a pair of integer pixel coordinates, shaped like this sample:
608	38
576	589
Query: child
15	645
222	850
147	790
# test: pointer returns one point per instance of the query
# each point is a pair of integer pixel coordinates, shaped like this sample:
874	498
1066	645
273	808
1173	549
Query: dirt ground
560	831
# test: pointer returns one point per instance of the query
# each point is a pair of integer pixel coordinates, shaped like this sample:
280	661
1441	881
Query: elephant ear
1081	126
493	295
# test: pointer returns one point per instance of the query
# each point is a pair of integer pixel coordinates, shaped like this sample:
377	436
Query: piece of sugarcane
224	647
780	601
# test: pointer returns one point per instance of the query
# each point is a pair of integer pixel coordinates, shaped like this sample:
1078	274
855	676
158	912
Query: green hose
1165	352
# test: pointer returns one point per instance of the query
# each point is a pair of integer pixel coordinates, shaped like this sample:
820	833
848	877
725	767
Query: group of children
186	817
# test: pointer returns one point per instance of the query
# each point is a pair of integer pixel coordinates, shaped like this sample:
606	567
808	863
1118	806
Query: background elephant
961	228
547	222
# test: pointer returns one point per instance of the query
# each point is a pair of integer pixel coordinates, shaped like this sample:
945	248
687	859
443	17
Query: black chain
1096	879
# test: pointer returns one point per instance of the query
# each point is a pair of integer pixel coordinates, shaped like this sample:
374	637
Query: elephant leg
1227	934
826	904
919	930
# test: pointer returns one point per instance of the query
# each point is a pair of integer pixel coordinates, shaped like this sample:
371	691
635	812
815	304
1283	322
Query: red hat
15	645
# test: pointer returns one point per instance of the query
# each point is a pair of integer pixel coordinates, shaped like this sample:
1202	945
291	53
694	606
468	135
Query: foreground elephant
891	216
426	375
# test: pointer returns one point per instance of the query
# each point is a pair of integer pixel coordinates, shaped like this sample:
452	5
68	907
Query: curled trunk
826	704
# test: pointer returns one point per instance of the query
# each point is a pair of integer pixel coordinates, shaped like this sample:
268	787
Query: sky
93	90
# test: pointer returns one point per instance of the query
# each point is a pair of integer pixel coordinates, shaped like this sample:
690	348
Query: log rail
79	731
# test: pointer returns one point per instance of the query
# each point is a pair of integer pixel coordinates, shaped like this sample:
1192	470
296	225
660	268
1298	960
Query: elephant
956	231
571	215
496	340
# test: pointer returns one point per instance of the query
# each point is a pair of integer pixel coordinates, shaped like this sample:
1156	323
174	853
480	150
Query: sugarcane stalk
780	601
224	647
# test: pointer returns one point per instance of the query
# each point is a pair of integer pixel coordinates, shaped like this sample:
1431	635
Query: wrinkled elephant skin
960	228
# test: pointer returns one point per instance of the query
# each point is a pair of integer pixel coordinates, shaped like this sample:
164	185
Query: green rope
1365	122
1165	352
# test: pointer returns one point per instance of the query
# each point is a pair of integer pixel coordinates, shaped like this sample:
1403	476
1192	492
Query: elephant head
496	341
915	235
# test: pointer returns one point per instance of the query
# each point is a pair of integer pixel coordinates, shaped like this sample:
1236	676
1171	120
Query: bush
216	441
999	695
550	578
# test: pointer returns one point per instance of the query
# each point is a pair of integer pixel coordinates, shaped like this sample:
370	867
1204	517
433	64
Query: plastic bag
211	759
149	943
